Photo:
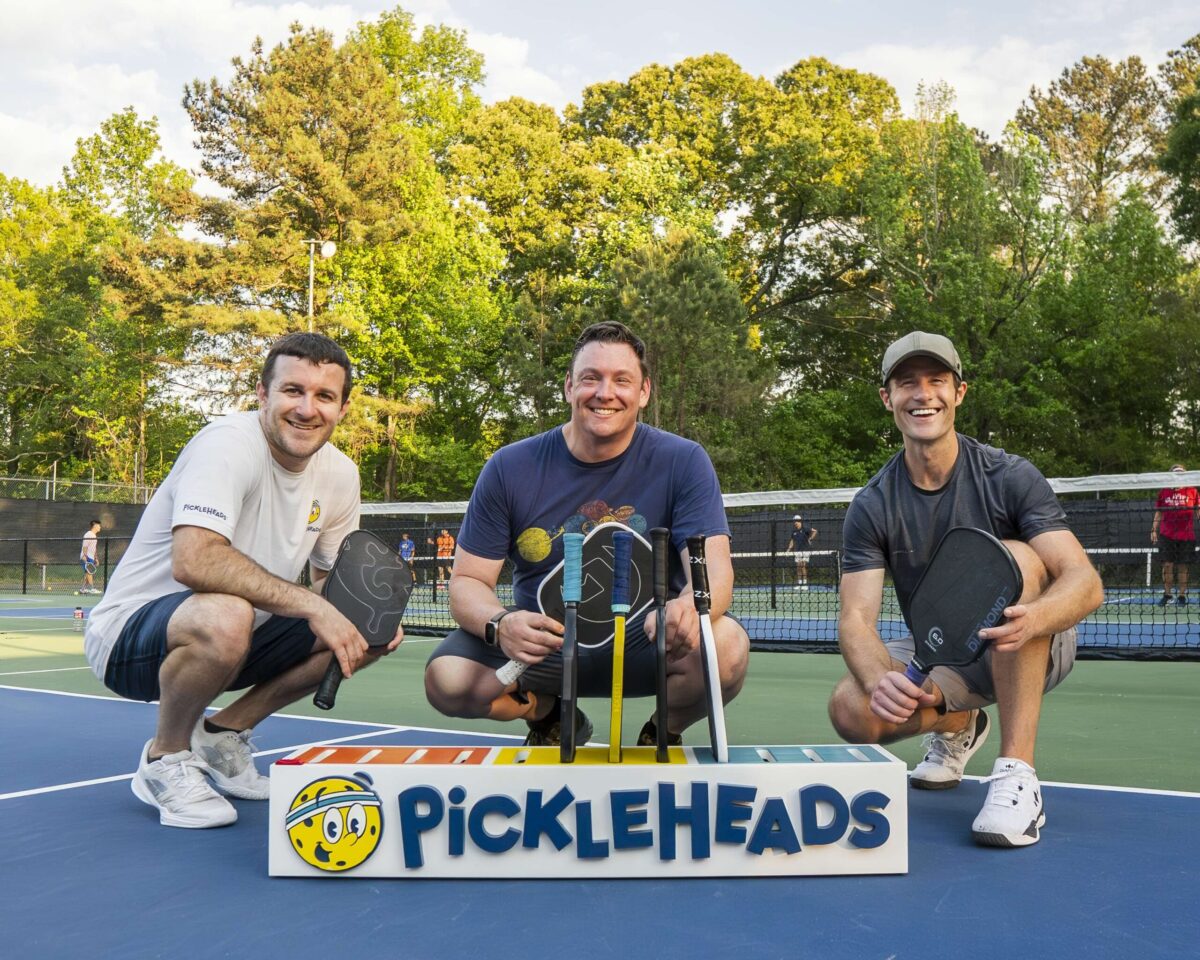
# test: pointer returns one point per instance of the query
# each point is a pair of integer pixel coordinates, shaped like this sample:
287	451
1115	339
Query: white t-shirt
226	480
88	549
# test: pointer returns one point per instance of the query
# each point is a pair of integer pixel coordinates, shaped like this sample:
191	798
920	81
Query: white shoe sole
169	819
1006	840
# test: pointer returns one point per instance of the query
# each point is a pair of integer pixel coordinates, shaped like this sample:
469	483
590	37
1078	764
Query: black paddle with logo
369	585
970	579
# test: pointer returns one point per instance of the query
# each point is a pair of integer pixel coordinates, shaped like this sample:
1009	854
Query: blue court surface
90	873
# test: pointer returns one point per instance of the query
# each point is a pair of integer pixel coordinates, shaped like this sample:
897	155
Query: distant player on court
205	599
602	465
1174	530
87	556
942	479
802	537
445	555
407	548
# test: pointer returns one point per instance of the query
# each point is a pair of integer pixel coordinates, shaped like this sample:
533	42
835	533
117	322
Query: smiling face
300	408
606	391
923	395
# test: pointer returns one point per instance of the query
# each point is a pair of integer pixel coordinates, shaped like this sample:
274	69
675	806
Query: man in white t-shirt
87	556
206	597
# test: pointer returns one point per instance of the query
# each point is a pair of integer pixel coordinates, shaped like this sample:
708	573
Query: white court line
26	673
378	727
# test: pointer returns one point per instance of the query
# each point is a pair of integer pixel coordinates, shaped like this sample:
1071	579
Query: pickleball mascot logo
314	512
335	823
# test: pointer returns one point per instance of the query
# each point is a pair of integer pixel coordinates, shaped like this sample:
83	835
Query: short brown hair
313	347
611	331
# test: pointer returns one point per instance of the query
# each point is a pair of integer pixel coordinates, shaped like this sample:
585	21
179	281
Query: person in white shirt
87	556
206	597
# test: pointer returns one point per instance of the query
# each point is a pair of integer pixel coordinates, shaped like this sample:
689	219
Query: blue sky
69	64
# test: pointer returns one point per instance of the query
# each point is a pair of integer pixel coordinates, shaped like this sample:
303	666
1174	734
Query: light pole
328	249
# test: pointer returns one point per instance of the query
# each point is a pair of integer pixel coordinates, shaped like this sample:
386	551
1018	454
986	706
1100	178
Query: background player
1174	530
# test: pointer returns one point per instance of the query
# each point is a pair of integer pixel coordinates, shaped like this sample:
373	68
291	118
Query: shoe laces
185	773
235	747
1007	786
948	746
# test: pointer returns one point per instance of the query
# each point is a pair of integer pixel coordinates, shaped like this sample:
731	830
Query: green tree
1099	123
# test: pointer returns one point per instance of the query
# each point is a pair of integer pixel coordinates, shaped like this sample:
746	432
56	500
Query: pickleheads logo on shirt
200	508
314	514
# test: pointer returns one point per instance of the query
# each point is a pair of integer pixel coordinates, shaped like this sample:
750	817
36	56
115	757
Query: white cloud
70	64
509	74
990	83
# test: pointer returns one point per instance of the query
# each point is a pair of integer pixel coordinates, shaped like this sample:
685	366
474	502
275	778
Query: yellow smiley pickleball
335	824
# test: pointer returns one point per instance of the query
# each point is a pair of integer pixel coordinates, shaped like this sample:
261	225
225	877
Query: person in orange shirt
445	555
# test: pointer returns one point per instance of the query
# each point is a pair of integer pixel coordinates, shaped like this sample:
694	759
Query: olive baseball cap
919	344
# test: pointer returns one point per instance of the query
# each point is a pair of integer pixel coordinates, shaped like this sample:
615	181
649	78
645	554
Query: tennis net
786	606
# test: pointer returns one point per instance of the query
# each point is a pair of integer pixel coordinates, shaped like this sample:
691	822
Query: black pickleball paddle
369	584
969	581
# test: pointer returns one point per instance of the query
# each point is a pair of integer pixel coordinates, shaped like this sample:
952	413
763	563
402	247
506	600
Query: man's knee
1033	571
849	712
452	687
733	652
219	623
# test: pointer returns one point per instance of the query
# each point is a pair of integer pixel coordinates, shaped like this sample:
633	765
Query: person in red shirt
1174	530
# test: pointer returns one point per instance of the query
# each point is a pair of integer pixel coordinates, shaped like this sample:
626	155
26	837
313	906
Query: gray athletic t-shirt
894	524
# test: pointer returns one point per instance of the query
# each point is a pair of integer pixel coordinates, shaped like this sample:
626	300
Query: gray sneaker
229	760
176	786
946	755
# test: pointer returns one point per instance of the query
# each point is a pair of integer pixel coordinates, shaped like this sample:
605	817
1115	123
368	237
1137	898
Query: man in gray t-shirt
942	479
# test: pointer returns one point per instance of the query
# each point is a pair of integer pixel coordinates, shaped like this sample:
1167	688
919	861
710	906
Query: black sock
210	727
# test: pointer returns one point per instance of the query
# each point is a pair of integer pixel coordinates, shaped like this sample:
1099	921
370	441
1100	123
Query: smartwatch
491	633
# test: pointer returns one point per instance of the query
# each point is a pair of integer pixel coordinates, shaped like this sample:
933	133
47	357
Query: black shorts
132	671
595	663
1175	551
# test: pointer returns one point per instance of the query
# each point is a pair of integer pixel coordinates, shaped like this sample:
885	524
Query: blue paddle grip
622	554
913	673
572	587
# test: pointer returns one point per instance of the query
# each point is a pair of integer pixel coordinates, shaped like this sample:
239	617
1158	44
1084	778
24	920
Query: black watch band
491	633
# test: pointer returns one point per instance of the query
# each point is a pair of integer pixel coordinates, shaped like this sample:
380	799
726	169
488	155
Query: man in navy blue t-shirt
942	479
601	466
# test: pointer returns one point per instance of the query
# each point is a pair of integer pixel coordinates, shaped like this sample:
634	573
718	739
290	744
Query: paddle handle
326	693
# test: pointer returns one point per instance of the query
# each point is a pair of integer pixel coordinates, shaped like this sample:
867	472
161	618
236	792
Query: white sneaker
176	785
229	762
946	755
1012	814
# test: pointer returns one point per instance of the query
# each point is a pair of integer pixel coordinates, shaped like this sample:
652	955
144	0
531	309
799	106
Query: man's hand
683	627
342	637
1020	628
529	637
896	698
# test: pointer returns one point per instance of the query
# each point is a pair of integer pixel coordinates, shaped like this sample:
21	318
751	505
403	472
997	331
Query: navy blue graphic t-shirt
532	492
895	524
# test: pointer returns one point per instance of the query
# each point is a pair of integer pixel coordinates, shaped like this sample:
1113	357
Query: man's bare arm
523	635
205	562
1074	591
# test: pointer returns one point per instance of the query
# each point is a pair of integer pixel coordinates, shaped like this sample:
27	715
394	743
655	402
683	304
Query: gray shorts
966	688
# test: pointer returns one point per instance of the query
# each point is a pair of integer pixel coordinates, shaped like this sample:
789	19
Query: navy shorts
595	663
278	645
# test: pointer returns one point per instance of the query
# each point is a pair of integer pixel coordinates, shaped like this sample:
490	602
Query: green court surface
1121	723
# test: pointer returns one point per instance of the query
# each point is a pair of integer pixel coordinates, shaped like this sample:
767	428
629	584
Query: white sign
517	812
